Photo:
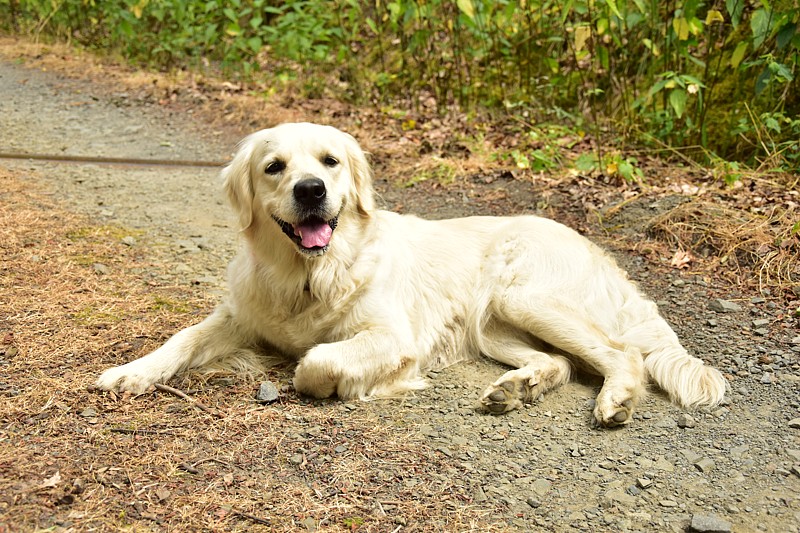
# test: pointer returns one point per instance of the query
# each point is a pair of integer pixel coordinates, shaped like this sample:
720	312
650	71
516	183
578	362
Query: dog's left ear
238	184
362	177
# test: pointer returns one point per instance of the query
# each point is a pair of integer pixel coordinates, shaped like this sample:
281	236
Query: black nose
309	192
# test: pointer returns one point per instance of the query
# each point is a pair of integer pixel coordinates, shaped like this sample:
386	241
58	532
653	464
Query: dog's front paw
318	373
129	377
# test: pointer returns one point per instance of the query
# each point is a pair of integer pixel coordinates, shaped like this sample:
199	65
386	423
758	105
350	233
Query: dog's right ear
238	183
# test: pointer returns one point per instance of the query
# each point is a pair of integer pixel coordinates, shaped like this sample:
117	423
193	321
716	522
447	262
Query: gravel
543	467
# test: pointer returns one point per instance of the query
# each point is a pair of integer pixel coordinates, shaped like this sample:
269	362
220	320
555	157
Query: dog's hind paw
613	415
502	398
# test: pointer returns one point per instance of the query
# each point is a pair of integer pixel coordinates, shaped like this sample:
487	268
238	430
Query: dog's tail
689	382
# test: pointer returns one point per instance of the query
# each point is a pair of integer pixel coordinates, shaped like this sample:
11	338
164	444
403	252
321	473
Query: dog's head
301	177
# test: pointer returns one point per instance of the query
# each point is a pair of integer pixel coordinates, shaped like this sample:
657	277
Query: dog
366	300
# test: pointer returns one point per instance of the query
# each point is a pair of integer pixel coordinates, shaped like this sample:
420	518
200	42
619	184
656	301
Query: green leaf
738	54
677	99
785	34
466	7
781	71
586	162
612	4
735	9
255	44
760	23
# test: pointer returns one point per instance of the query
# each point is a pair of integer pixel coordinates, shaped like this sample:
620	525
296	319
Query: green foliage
719	74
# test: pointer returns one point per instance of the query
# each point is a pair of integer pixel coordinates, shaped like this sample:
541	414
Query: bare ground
101	263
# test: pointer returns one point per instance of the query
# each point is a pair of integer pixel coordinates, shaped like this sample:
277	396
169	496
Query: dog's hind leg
212	339
572	330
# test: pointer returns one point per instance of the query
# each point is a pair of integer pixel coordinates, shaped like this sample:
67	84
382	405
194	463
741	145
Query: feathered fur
391	296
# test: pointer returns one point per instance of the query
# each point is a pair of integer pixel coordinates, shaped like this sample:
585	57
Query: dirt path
430	462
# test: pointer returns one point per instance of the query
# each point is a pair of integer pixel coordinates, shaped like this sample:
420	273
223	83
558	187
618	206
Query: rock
128	241
766	378
703	523
644	482
101	269
668	503
724	306
267	392
685	421
533	502
761	322
89	412
691	456
704	465
794	423
616	497
541	486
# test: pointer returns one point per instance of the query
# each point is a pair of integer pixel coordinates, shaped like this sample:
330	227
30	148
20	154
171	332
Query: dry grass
735	239
76	459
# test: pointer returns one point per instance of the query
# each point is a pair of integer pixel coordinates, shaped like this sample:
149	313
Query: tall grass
721	75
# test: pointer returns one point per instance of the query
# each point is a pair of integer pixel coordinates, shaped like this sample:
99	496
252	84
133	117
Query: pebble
267	392
794	423
128	241
703	523
89	412
541	486
101	269
668	503
704	465
724	306
766	378
685	421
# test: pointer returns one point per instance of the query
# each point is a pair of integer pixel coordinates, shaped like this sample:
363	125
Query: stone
706	523
101	269
267	392
724	306
128	241
685	421
794	423
541	486
705	464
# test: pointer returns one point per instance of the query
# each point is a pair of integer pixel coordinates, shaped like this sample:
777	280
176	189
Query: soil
429	462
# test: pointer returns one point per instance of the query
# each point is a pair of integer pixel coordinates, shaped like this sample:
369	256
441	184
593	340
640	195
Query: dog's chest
296	321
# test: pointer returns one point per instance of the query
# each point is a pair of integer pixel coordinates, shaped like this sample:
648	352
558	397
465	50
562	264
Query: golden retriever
366	300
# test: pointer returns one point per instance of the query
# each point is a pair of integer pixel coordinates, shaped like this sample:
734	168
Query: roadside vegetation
715	80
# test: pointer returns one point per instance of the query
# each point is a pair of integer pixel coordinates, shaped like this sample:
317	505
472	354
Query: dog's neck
328	278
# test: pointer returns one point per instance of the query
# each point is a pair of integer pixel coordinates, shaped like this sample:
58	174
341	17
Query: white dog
367	300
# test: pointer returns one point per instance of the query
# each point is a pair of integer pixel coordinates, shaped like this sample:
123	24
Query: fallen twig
139	431
183	395
256	519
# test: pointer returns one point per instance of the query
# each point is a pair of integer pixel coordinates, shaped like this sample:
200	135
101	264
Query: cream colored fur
394	295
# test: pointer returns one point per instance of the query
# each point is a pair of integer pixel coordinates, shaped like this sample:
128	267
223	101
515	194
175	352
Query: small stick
139	431
183	395
256	519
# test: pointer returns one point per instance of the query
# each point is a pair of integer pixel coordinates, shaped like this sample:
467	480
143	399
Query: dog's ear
238	183
362	178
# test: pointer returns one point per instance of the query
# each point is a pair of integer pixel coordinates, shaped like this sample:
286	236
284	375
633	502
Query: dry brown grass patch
75	459
735	239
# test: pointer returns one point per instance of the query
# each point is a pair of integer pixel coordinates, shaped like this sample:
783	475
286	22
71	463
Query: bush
719	75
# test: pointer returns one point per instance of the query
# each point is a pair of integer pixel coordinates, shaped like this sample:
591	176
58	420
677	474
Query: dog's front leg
194	346
370	364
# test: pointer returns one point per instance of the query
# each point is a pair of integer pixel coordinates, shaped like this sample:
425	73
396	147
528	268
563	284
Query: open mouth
312	235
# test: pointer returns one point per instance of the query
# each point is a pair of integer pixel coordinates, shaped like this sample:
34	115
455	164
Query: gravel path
735	468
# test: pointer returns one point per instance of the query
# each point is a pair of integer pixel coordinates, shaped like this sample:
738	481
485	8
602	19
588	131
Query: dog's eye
330	161
275	167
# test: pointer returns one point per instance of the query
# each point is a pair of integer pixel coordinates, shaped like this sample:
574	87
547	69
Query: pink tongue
314	234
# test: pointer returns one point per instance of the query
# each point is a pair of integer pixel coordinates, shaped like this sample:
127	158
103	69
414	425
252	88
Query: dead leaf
52	481
681	259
